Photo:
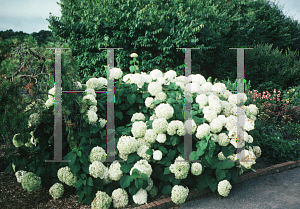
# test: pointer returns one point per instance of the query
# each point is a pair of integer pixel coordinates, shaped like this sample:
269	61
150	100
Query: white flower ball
138	129
65	175
141	151
93	83
161	138
97	154
150	136
202	100
157	155
224	188
216	125
196	169
148	102
176	126
160	125
133	55
114	172
102	122
161	80
257	151
31	182
137	79
138	116
223	139
126	78
206	87
202	130
154	88
209	113
170	75
19	175
179	194
153	117
140	197
127	145
162	96
231	122
90	98
102	200
115	73
57	191
98	170
143	166
249	156
182	79
92	116
180	168
221	156
90	91
103	82
198	79
147	78
164	111
219	88
119	198
156	74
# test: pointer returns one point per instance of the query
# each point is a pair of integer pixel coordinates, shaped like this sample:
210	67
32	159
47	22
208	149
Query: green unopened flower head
56	191
31	182
153	192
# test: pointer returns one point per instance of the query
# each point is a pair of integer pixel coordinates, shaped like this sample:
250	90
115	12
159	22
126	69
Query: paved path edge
167	202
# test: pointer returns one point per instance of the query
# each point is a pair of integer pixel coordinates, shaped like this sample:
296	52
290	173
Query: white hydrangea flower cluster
97	154
156	74
164	111
148	102
120	198
161	81
142	141
137	79
102	122
127	145
154	88
176	126
138	129
138	116
115	73
192	87
170	76
160	125
102	200
98	170
114	172
143	166
161	138
91	92
257	151
92	116
162	96
90	98
196	169
180	169
126	78
65	175
31	182
34	120
140	197
157	155
224	188
141	151
197	79
215	103
56	191
209	113
216	125
202	100
96	83
203	130
20	175
179	194
150	136
223	139
147	78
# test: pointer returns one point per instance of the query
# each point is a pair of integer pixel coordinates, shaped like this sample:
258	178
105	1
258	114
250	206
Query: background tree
154	29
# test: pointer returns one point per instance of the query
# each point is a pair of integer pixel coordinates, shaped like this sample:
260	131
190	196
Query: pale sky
30	15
